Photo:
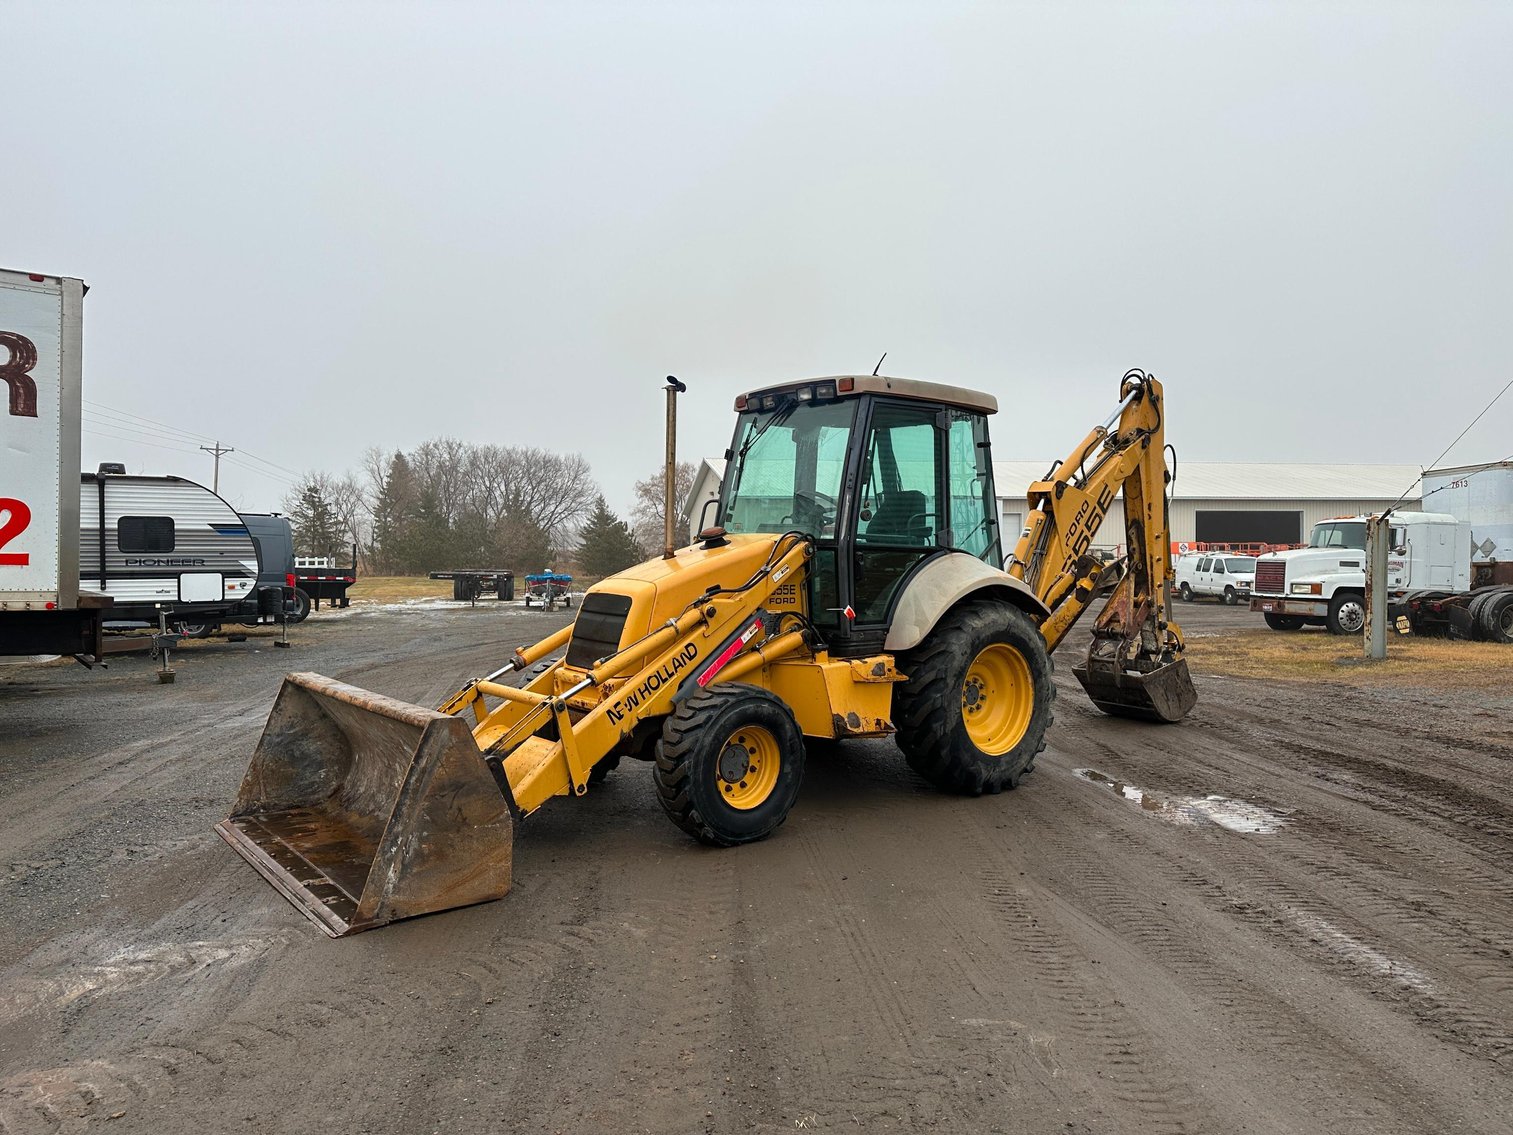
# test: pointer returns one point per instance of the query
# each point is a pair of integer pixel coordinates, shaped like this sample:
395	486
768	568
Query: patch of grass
397	588
1313	656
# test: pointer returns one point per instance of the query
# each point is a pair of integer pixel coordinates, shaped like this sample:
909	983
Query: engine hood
1310	564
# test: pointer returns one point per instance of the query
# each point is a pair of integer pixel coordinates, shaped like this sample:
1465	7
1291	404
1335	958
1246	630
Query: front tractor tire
974	713
729	764
1347	613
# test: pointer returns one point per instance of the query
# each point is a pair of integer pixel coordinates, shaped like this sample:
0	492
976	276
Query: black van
275	557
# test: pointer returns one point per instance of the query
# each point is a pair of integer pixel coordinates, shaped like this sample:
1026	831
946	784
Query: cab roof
850	385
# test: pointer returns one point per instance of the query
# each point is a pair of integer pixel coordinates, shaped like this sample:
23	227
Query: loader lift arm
1134	667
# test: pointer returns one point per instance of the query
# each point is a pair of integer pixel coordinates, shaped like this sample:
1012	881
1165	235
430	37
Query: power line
137	441
1506	387
98	420
260	472
157	428
150	421
274	464
1464	432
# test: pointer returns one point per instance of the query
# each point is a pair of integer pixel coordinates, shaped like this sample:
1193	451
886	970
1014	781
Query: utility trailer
545	589
317	578
43	610
471	583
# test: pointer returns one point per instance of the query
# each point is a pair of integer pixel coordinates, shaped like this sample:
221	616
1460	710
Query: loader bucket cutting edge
362	809
1163	693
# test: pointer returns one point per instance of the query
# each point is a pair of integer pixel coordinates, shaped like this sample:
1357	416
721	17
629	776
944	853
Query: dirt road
1291	913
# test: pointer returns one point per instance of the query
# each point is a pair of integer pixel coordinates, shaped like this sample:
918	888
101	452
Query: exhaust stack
670	473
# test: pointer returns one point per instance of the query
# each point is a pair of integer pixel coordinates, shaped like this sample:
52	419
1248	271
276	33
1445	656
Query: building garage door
1242	526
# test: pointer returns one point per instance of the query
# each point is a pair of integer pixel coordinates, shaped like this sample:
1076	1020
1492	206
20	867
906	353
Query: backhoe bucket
1141	689
362	809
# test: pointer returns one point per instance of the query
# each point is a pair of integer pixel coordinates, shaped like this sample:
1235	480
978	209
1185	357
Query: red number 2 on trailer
19	516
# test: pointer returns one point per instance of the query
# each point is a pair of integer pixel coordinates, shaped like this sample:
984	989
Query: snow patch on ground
1358	953
1190	811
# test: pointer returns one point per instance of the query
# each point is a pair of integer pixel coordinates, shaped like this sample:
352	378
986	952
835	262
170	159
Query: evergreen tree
427	544
605	544
318	530
394	505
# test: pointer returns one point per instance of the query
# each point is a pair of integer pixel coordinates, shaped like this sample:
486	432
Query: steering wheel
814	510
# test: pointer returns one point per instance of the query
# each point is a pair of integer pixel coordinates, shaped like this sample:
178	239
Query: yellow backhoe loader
850	586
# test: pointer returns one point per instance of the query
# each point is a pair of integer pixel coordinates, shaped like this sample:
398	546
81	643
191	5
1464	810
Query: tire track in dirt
1110	889
1310	919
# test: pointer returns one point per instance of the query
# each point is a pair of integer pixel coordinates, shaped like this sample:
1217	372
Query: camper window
145	534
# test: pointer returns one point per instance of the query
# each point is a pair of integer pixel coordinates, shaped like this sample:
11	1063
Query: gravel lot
1291	913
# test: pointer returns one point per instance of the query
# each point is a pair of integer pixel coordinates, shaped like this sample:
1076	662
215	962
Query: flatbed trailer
319	579
469	584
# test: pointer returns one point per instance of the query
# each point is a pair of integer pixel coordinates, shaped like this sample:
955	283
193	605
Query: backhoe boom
1134	667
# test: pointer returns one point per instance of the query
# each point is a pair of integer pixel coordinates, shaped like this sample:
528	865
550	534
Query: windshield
1339	534
1240	563
786	468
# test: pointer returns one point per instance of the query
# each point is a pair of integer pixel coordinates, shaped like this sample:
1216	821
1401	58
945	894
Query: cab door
924	486
899	509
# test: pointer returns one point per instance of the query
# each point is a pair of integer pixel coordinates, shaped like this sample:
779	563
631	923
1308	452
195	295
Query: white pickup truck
1223	575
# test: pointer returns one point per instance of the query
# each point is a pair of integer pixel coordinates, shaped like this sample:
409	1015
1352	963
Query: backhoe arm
1134	637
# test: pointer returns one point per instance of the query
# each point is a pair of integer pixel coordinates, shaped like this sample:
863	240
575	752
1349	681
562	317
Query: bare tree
350	505
646	513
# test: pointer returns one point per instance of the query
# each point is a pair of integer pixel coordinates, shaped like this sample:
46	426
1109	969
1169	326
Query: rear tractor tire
1495	618
974	713
729	764
1284	622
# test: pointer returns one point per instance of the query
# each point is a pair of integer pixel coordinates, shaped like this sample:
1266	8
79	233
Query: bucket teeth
362	809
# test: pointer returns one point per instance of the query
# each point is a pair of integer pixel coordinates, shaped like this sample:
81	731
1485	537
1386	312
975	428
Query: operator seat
901	517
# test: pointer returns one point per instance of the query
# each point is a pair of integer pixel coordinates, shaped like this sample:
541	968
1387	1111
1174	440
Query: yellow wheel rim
997	699
747	769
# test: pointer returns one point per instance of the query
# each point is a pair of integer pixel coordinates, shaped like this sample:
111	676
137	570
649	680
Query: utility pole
1378	541
216	449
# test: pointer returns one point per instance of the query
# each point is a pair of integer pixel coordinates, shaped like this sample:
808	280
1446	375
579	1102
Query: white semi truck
42	608
1442	574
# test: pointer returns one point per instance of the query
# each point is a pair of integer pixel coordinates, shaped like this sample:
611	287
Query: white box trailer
42	609
1482	496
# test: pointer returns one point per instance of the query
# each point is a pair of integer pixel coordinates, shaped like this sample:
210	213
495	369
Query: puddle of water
1190	811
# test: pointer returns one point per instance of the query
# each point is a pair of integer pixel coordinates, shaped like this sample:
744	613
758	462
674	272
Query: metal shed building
1241	502
1212	501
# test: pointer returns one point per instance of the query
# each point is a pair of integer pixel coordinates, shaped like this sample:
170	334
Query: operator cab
884	474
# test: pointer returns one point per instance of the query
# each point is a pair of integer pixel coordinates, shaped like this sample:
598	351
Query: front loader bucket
1144	690
362	809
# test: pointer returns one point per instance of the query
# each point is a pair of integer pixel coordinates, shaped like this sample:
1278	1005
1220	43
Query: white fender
939	586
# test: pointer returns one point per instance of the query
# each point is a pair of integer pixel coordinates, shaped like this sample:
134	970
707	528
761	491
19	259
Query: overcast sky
314	228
